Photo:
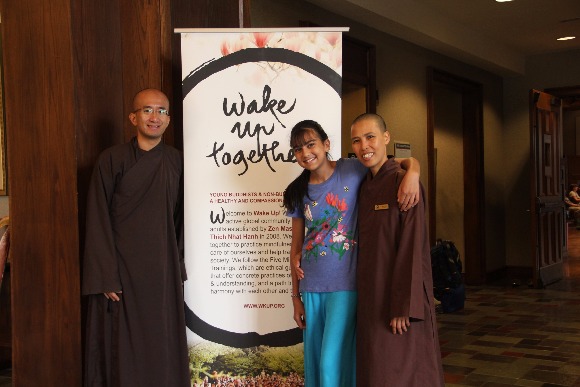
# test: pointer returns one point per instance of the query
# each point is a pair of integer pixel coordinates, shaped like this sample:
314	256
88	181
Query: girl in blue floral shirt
322	204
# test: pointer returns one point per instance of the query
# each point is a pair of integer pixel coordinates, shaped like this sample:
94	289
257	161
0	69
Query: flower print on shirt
339	235
327	232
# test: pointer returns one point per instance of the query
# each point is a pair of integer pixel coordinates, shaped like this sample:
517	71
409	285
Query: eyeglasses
149	110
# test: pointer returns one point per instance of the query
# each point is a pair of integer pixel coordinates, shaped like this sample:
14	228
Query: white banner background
237	121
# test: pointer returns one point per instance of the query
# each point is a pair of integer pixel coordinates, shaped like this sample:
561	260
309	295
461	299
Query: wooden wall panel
41	139
97	70
141	42
70	71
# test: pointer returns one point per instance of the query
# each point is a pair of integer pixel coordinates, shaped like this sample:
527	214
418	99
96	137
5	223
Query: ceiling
495	36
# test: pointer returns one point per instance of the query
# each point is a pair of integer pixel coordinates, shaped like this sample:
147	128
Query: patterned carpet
516	336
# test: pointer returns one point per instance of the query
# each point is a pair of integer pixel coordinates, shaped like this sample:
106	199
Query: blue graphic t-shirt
330	217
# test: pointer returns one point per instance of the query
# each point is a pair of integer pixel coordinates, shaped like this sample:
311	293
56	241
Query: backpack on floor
446	268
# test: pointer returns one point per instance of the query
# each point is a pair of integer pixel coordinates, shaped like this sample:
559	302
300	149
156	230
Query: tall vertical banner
243	91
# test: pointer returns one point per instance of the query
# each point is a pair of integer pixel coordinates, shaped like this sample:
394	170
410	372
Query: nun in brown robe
394	280
133	244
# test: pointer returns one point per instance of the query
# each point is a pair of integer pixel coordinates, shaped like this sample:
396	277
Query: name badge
379	207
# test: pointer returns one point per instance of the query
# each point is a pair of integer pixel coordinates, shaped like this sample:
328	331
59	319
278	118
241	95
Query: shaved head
138	98
378	120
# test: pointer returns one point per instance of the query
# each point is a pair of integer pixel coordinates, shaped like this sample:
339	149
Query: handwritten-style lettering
268	105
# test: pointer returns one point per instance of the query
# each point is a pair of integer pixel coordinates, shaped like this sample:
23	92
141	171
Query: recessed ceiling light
502	1
567	38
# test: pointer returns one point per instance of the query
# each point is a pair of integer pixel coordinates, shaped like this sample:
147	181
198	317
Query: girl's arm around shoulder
409	190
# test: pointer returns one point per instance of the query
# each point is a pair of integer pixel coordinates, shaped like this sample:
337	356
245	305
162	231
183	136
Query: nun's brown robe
394	280
134	244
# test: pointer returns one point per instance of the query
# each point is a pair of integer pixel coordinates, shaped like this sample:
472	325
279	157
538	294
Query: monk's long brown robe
133	244
394	280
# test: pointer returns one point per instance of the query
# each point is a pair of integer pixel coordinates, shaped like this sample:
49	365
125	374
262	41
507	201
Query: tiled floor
510	336
516	336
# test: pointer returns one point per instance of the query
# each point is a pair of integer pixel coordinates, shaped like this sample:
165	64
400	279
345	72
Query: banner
243	91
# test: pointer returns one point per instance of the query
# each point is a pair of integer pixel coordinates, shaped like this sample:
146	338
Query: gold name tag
379	207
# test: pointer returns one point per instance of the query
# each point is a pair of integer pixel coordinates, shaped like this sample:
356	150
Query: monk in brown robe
397	342
133	269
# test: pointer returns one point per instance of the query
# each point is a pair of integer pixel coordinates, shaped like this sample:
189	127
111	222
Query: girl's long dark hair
295	192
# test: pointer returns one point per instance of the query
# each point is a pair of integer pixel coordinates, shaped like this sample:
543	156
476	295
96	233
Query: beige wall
401	83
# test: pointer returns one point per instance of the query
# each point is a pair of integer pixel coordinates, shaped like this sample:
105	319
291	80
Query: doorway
448	149
456	180
358	85
570	97
570	100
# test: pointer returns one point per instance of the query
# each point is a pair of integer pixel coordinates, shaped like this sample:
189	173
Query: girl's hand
299	312
296	259
409	189
399	325
408	194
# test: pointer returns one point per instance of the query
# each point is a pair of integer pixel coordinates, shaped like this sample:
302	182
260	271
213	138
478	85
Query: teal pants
329	339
